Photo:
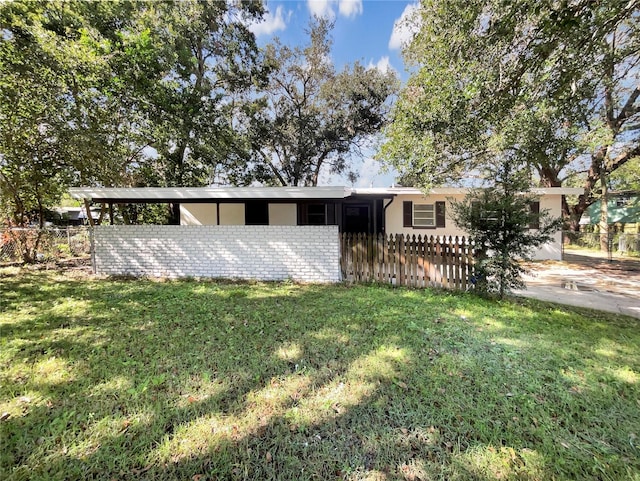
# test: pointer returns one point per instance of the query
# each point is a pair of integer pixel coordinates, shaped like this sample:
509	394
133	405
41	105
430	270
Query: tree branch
629	108
273	168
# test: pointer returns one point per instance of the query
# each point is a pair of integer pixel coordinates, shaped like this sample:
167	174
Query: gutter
384	213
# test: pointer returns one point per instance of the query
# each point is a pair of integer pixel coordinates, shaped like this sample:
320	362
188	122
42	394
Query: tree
207	58
505	227
63	113
554	84
87	89
311	117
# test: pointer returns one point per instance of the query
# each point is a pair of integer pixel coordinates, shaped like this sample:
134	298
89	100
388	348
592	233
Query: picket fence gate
415	261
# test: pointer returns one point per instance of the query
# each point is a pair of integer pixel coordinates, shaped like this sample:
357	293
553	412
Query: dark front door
356	218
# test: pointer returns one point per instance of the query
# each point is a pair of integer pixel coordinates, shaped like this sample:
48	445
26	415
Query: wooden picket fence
407	260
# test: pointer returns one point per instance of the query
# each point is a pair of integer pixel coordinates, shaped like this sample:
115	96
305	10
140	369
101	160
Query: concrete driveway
586	281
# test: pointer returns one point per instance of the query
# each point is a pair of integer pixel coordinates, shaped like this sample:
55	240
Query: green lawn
135	379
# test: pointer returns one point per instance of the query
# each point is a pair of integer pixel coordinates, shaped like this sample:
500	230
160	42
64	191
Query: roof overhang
457	191
282	194
205	194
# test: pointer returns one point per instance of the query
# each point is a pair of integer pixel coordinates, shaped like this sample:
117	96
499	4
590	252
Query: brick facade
301	253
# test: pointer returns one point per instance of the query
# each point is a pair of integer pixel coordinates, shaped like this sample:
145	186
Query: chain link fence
602	245
31	244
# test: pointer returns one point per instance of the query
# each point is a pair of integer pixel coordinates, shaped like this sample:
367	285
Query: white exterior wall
198	214
231	214
283	214
302	253
394	221
552	250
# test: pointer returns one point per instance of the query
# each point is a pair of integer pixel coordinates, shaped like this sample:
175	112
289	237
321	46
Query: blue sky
368	31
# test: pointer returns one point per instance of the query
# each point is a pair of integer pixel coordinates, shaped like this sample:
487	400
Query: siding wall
302	253
394	222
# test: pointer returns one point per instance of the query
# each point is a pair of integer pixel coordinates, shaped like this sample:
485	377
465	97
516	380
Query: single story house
299	222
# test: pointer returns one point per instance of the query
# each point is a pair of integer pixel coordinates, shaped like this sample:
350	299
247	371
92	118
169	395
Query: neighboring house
72	215
340	209
622	208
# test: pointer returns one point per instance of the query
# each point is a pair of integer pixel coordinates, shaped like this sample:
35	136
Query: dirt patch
76	266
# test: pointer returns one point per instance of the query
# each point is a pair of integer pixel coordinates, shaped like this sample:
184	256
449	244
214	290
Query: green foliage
106	378
553	84
88	90
203	67
312	118
627	177
144	213
64	116
499	219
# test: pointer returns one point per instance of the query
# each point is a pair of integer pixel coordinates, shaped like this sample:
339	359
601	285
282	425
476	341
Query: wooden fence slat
415	261
457	263
372	257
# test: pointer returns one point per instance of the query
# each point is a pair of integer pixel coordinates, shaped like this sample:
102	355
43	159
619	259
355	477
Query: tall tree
63	112
555	84
87	88
208	58
312	118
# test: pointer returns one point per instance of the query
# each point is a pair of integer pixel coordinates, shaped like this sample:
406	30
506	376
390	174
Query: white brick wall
302	253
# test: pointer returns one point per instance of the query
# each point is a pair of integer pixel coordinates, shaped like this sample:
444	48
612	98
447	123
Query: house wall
283	214
302	253
394	221
198	214
231	214
552	250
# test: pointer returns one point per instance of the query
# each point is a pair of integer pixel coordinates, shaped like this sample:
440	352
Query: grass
136	379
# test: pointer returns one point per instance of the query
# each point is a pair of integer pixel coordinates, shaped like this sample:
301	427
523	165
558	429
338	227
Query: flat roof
229	194
197	194
457	190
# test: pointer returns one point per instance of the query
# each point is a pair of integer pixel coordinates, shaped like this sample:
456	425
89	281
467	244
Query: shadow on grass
205	380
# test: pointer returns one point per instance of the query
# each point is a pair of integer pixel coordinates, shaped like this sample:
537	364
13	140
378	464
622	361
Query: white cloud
271	23
321	8
405	27
383	65
325	8
350	8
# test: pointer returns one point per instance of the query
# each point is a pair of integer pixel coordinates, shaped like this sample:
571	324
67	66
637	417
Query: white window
424	215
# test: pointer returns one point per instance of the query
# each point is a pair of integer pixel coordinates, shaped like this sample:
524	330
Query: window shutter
407	213
440	214
534	208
